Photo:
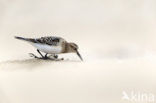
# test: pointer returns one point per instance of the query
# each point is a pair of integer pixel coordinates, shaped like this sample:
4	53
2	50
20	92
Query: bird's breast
48	48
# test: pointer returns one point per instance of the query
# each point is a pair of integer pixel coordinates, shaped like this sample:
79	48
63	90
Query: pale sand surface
116	39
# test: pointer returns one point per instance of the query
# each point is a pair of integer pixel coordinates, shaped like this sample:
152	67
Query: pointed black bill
79	55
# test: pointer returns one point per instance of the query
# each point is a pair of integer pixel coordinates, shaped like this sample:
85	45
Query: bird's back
49	44
50	40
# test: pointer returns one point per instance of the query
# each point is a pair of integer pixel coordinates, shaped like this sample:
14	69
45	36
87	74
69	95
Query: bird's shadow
28	64
20	64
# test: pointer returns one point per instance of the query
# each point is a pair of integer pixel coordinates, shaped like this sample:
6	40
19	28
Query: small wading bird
51	45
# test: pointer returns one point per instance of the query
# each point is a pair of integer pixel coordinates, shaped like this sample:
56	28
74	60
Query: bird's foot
33	55
55	57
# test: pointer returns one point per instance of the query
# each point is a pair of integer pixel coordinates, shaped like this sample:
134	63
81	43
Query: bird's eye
73	48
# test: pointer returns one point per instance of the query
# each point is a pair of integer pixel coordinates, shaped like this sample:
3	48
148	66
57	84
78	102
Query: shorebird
51	45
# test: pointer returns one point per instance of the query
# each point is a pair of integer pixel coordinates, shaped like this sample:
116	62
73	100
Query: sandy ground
116	40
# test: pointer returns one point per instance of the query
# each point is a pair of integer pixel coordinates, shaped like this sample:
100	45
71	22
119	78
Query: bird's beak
79	55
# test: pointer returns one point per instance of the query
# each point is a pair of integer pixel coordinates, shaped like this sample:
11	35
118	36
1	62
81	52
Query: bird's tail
21	38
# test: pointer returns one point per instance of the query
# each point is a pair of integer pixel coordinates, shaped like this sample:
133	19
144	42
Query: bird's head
74	49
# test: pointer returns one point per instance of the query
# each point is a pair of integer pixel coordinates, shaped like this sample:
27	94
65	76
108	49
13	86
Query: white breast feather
47	48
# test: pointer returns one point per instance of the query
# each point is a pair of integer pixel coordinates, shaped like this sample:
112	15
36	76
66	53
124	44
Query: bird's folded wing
48	40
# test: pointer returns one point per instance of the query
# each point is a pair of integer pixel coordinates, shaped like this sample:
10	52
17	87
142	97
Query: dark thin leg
55	56
46	56
40	53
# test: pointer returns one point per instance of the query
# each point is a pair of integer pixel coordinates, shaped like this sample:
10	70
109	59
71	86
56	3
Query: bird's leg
40	54
55	56
33	55
46	56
